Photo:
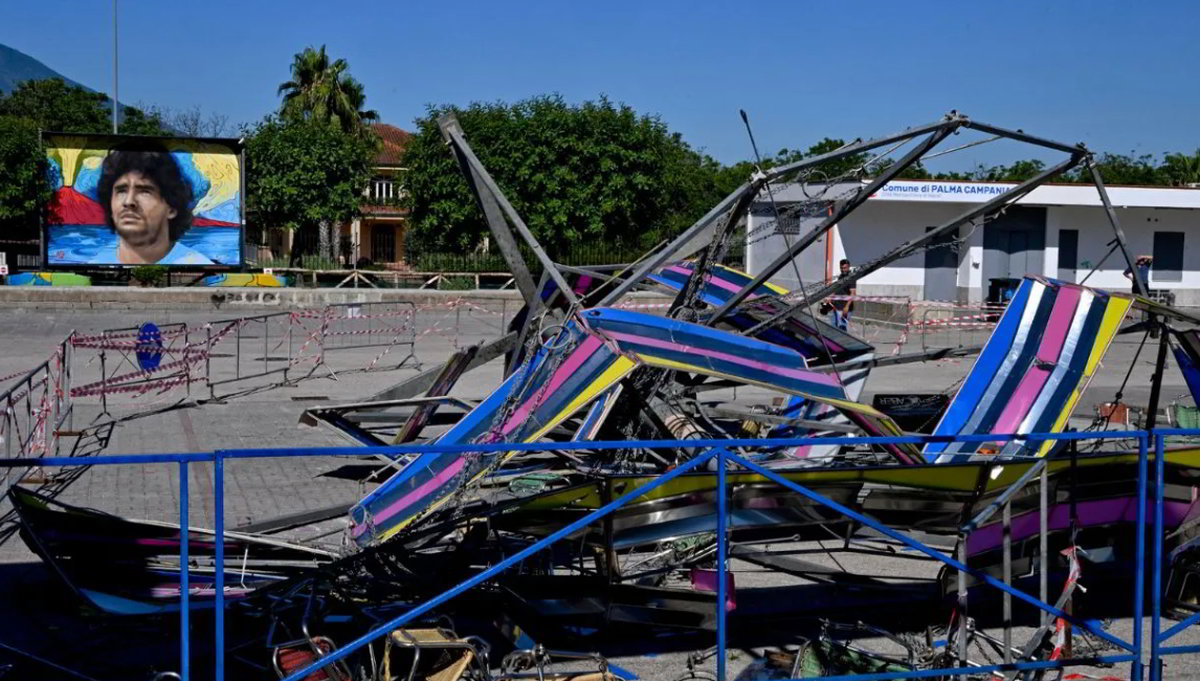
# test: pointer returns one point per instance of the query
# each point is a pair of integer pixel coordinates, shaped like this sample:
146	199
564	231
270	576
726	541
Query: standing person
1143	264
842	305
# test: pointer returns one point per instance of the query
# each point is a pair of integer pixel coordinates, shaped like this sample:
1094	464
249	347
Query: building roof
393	140
977	192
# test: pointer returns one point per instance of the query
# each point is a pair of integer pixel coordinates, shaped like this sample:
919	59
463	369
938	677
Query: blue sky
1118	76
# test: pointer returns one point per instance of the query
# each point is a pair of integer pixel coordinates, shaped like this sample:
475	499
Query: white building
1059	231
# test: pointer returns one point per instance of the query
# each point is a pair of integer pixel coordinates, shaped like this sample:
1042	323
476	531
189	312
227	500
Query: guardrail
356	278
721	452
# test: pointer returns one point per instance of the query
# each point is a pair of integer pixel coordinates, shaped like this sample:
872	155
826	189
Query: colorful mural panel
127	201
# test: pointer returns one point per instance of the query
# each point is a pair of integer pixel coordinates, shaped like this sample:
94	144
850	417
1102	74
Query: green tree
305	173
48	105
325	91
847	167
53	105
595	173
1182	170
1122	169
23	188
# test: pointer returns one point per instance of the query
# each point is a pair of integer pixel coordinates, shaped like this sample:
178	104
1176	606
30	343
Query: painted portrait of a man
125	201
146	201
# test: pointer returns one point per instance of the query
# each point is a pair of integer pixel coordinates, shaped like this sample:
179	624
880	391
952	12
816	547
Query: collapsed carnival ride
580	369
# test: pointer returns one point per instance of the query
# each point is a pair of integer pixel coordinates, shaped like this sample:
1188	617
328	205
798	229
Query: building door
1068	254
1014	245
941	268
383	243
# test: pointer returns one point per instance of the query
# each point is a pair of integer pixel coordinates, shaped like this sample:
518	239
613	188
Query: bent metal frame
719	451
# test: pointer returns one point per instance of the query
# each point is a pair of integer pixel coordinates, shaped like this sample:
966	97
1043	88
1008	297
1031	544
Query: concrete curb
224	298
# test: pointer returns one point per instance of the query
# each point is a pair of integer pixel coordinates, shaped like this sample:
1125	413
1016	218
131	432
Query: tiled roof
392	143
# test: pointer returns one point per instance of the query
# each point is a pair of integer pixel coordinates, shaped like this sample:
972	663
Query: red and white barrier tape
361	332
138	388
108	383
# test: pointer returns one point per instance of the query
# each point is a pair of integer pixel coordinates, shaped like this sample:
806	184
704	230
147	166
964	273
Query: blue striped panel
1009	376
980	376
1070	381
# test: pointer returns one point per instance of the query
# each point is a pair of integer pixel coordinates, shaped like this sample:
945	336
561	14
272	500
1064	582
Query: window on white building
1168	257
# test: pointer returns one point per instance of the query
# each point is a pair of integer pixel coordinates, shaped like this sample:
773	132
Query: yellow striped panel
1114	314
615	372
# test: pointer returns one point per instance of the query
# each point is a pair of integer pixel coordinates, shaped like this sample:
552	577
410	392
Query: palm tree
321	90
1183	169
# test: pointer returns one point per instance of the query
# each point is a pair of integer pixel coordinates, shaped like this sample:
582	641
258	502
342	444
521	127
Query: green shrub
149	275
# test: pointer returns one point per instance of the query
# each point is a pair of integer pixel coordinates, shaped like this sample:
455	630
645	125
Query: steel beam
419	384
662	256
845	209
1022	136
952	118
1139	286
491	211
454	136
909	247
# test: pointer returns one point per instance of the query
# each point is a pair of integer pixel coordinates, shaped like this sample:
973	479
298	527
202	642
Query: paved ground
260	489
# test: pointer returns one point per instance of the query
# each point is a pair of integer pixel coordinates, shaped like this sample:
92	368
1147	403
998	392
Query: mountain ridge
17	67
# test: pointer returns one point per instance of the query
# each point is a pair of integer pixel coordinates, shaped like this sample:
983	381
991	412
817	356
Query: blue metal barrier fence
718	450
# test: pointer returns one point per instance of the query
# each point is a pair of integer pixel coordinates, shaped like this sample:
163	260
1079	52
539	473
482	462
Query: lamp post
115	104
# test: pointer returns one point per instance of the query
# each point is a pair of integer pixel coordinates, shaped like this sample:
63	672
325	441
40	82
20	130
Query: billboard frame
237	145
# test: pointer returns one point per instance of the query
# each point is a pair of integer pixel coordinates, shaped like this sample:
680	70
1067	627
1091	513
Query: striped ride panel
797	332
1187	356
683	346
560	380
1035	366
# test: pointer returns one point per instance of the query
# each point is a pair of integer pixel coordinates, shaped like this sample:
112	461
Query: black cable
795	267
1101	263
1121	390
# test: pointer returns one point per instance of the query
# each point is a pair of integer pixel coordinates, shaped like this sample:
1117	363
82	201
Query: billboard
124	201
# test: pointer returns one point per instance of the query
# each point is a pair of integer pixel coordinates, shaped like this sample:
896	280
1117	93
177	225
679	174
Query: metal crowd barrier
37	406
1133	651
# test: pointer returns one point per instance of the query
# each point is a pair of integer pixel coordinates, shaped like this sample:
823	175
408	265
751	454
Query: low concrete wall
118	297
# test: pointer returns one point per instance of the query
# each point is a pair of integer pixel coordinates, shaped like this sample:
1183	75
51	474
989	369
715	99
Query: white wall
879	226
1139	225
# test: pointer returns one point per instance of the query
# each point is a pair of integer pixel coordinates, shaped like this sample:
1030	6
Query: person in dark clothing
1143	263
843	304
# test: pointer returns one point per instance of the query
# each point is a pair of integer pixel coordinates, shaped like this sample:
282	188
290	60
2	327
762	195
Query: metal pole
842	211
237	339
1022	136
103	382
1007	582
697	228
219	560
184	625
461	146
911	246
208	346
491	213
1139	576
1156	575
1139	286
1157	378
115	104
1043	542
722	557
962	602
